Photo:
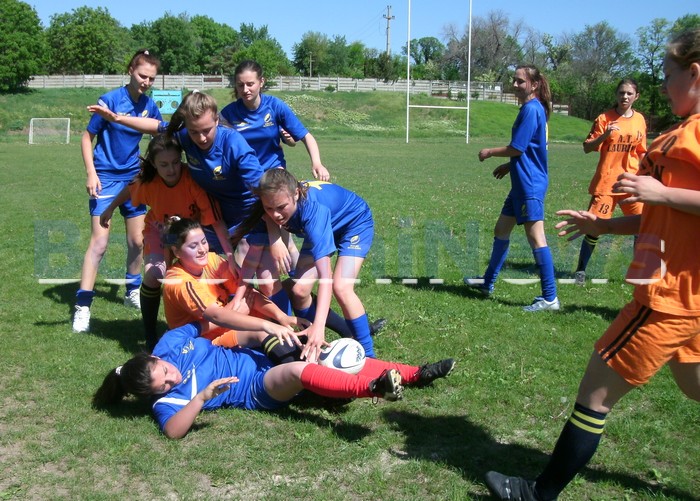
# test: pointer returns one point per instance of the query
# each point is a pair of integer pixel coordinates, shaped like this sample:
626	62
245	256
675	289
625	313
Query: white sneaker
81	319
539	304
580	278
133	299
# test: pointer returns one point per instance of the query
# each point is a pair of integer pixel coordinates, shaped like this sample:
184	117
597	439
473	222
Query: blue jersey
200	363
116	155
528	172
260	127
227	171
327	214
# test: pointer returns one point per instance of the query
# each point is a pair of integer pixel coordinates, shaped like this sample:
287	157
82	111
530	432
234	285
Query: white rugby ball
344	354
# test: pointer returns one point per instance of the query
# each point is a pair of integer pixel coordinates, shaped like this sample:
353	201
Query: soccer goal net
49	131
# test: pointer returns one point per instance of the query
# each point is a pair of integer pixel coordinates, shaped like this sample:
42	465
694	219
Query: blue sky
363	20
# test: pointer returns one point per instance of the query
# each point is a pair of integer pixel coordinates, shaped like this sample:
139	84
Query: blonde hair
194	105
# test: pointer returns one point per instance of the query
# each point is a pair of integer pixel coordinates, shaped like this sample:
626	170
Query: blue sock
133	281
543	259
84	298
307	313
281	299
360	330
499	252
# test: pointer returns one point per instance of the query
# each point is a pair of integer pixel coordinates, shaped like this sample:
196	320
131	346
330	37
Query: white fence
447	89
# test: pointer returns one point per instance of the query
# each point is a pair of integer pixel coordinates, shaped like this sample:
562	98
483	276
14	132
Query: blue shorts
109	191
354	243
260	396
524	210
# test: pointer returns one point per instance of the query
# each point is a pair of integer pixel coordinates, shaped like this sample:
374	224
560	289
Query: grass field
434	205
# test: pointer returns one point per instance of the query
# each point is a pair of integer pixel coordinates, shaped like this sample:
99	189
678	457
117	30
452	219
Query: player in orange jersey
620	135
661	324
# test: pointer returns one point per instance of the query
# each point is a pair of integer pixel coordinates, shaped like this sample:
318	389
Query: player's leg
99	238
134	223
602	206
685	367
155	264
499	250
534	230
345	273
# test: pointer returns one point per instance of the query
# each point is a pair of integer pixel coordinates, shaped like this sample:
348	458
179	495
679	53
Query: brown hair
143	56
134	377
684	49
156	146
246	65
176	230
543	93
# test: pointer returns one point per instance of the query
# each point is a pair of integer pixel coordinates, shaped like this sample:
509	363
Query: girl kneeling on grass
187	374
165	185
330	219
199	287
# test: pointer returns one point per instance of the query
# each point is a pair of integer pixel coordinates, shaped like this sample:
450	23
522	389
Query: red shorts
640	341
603	206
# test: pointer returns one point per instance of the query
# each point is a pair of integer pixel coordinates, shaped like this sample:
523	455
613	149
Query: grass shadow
467	447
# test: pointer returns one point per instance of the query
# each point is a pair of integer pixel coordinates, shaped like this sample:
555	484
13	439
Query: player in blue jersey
330	219
259	117
187	374
529	178
110	167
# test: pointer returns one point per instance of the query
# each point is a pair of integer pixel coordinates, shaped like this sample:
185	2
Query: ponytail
544	94
132	378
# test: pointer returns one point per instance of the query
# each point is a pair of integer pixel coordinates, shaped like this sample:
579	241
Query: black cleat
430	372
376	326
515	488
387	386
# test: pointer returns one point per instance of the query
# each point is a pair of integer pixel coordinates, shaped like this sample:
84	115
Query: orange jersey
185	297
620	152
186	199
665	268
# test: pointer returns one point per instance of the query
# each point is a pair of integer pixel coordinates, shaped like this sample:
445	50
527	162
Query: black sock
576	445
150	303
280	353
587	247
334	322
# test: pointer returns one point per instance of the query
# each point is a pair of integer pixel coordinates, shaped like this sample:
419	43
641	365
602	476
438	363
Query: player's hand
103	111
320	172
315	343
217	387
577	224
296	323
646	189
105	218
287	137
281	256
285	334
93	185
501	171
484	154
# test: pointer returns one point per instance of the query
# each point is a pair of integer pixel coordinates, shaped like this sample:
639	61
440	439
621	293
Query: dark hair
176	230
194	105
543	93
684	49
272	181
132	378
156	146
246	65
143	56
628	81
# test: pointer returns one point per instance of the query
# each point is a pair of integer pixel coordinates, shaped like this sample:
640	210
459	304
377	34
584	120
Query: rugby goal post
49	131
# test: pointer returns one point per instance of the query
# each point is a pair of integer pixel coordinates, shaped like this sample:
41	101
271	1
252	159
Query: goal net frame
49	131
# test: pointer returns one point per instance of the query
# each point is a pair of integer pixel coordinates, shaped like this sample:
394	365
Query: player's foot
430	372
540	304
387	386
580	278
376	326
515	488
132	299
81	319
478	284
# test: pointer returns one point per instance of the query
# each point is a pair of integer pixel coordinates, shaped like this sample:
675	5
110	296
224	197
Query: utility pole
311	60
388	18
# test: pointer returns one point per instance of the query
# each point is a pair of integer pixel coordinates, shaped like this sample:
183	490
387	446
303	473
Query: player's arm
145	125
225	241
121	198
180	423
318	170
501	151
581	222
316	333
92	184
651	191
232	319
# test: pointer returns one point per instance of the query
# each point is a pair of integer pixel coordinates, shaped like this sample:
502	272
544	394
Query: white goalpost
408	76
49	131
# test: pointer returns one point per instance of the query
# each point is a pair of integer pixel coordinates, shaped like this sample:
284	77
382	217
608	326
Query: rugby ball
344	354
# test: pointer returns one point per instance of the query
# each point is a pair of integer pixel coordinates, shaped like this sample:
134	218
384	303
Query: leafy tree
650	51
683	23
214	39
309	55
269	54
250	34
87	40
23	43
427	54
174	40
356	60
337	61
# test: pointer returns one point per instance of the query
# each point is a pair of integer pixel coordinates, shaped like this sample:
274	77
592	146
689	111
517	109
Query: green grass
503	408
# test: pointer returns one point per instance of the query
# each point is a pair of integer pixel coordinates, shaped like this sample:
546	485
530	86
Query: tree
87	40
23	43
174	40
214	40
310	54
250	34
683	23
337	61
427	54
269	54
650	51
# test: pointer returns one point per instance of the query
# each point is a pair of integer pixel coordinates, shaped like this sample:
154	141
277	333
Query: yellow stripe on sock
587	423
